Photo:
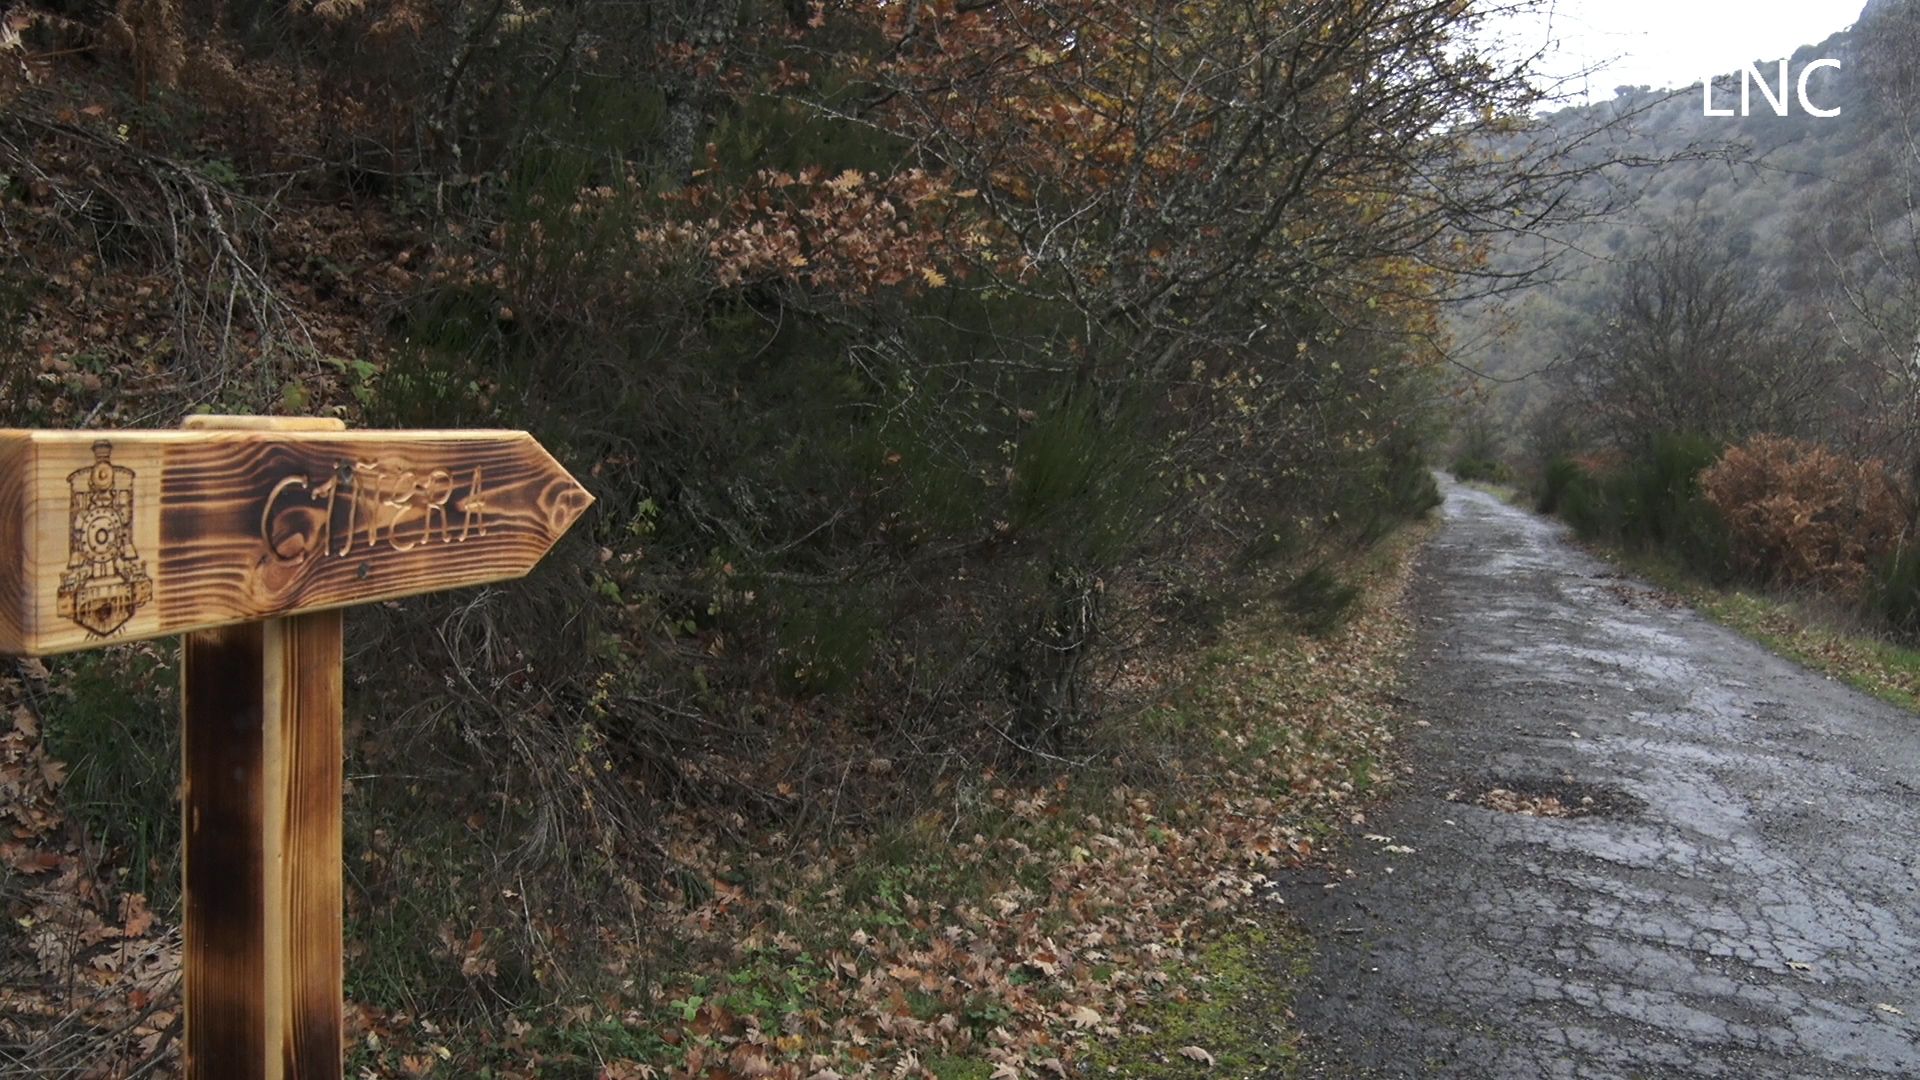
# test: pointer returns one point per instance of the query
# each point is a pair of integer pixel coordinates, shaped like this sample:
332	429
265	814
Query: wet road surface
1740	899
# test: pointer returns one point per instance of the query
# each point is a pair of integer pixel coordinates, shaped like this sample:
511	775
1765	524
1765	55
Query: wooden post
261	756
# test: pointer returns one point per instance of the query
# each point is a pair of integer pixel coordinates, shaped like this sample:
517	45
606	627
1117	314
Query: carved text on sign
168	532
363	506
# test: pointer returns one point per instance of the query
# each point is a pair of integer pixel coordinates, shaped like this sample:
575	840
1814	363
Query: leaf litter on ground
1058	913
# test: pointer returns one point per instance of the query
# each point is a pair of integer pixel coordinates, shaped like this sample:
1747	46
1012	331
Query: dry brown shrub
148	33
1799	514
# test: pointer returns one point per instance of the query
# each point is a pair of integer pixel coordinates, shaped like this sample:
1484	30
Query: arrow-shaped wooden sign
246	535
122	535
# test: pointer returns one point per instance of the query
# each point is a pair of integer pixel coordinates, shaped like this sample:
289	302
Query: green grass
1884	669
117	731
950	1068
1506	493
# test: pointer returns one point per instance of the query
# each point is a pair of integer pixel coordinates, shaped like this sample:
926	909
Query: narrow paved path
1740	899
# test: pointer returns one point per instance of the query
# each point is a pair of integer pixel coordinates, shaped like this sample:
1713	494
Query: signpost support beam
262	760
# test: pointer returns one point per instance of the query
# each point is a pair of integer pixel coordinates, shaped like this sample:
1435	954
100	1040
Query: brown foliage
148	33
1800	514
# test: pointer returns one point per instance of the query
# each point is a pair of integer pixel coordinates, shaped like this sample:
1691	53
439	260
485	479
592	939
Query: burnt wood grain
309	941
262	760
263	775
16	455
136	534
223	798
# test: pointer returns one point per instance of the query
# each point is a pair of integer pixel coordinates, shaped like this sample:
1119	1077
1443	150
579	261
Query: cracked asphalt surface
1743	899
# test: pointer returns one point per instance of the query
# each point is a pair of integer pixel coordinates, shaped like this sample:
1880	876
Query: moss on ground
947	1068
1227	1015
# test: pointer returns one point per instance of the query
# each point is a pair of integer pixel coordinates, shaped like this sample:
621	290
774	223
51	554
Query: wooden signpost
247	536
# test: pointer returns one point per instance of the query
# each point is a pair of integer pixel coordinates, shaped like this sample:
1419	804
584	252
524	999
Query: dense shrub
1667	511
1560	474
1319	601
1649	501
1799	514
1893	592
1586	505
1399	486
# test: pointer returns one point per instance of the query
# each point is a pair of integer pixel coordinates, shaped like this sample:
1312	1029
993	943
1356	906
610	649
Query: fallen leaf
1194	1053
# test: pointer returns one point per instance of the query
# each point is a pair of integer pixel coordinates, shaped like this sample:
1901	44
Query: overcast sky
1670	42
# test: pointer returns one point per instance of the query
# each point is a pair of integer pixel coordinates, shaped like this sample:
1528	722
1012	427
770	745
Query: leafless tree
1694	341
1868	242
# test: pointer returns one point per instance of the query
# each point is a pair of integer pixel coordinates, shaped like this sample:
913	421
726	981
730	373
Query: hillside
1797	201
